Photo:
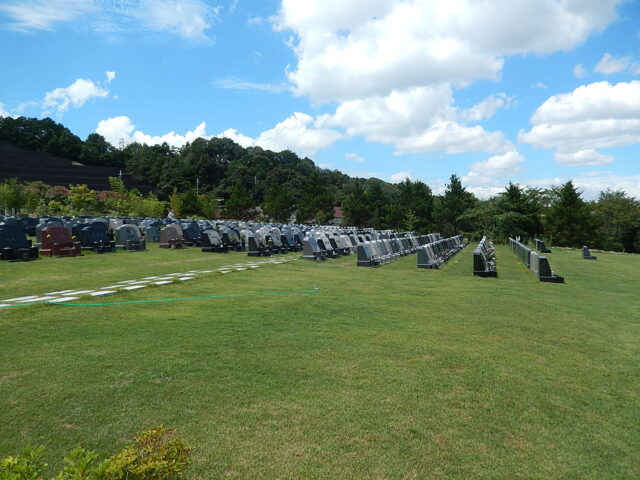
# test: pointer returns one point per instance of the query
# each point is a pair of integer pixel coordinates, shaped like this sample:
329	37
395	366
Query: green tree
239	204
618	220
82	199
316	204
518	214
355	208
190	205
278	203
454	203
11	195
176	199
569	219
377	200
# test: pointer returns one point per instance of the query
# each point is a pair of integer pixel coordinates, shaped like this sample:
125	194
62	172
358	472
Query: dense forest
216	177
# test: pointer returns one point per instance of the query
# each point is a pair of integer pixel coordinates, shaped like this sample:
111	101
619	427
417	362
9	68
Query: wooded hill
210	177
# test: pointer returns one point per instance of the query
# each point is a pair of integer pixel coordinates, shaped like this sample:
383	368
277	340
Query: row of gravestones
535	262
484	259
437	252
541	247
378	252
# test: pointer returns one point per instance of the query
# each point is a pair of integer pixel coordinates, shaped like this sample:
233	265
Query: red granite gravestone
57	242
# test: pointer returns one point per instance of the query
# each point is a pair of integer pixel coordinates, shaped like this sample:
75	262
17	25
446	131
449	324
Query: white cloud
579	71
299	133
609	64
401	177
117	130
421	119
239	138
354	156
589	157
592	183
488	177
487	108
5	113
451	137
597	115
349	50
233	83
185	18
540	85
598	182
44	14
75	95
110	76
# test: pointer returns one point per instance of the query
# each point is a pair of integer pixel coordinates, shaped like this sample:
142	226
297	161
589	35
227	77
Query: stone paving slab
67	299
128	285
103	293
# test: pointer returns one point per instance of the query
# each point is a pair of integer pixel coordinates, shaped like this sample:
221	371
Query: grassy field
389	373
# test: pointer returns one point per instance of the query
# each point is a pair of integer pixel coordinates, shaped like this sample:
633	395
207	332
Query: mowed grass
389	373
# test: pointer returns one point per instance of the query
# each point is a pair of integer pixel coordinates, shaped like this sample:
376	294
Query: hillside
30	166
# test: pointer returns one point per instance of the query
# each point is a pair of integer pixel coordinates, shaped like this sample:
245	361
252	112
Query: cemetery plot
95	236
171	237
484	259
14	245
436	253
538	264
586	254
129	239
58	242
540	246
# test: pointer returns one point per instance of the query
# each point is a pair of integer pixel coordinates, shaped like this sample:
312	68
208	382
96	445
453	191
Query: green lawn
389	373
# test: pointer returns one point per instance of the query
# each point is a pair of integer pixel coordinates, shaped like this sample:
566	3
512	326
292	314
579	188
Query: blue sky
530	91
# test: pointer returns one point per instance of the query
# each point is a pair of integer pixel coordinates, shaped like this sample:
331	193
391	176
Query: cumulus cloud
3	112
348	50
488	177
354	157
75	95
184	18
240	138
593	184
609	64
597	115
110	76
421	119
582	158
579	71
451	137
401	177
118	130
299	133
487	108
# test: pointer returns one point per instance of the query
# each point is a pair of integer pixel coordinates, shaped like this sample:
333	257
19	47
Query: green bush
153	455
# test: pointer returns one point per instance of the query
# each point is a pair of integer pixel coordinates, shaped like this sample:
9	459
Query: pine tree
569	219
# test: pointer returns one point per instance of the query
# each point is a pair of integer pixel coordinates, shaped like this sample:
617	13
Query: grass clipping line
208	297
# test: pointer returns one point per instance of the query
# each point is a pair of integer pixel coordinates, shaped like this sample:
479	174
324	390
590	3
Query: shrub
154	455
